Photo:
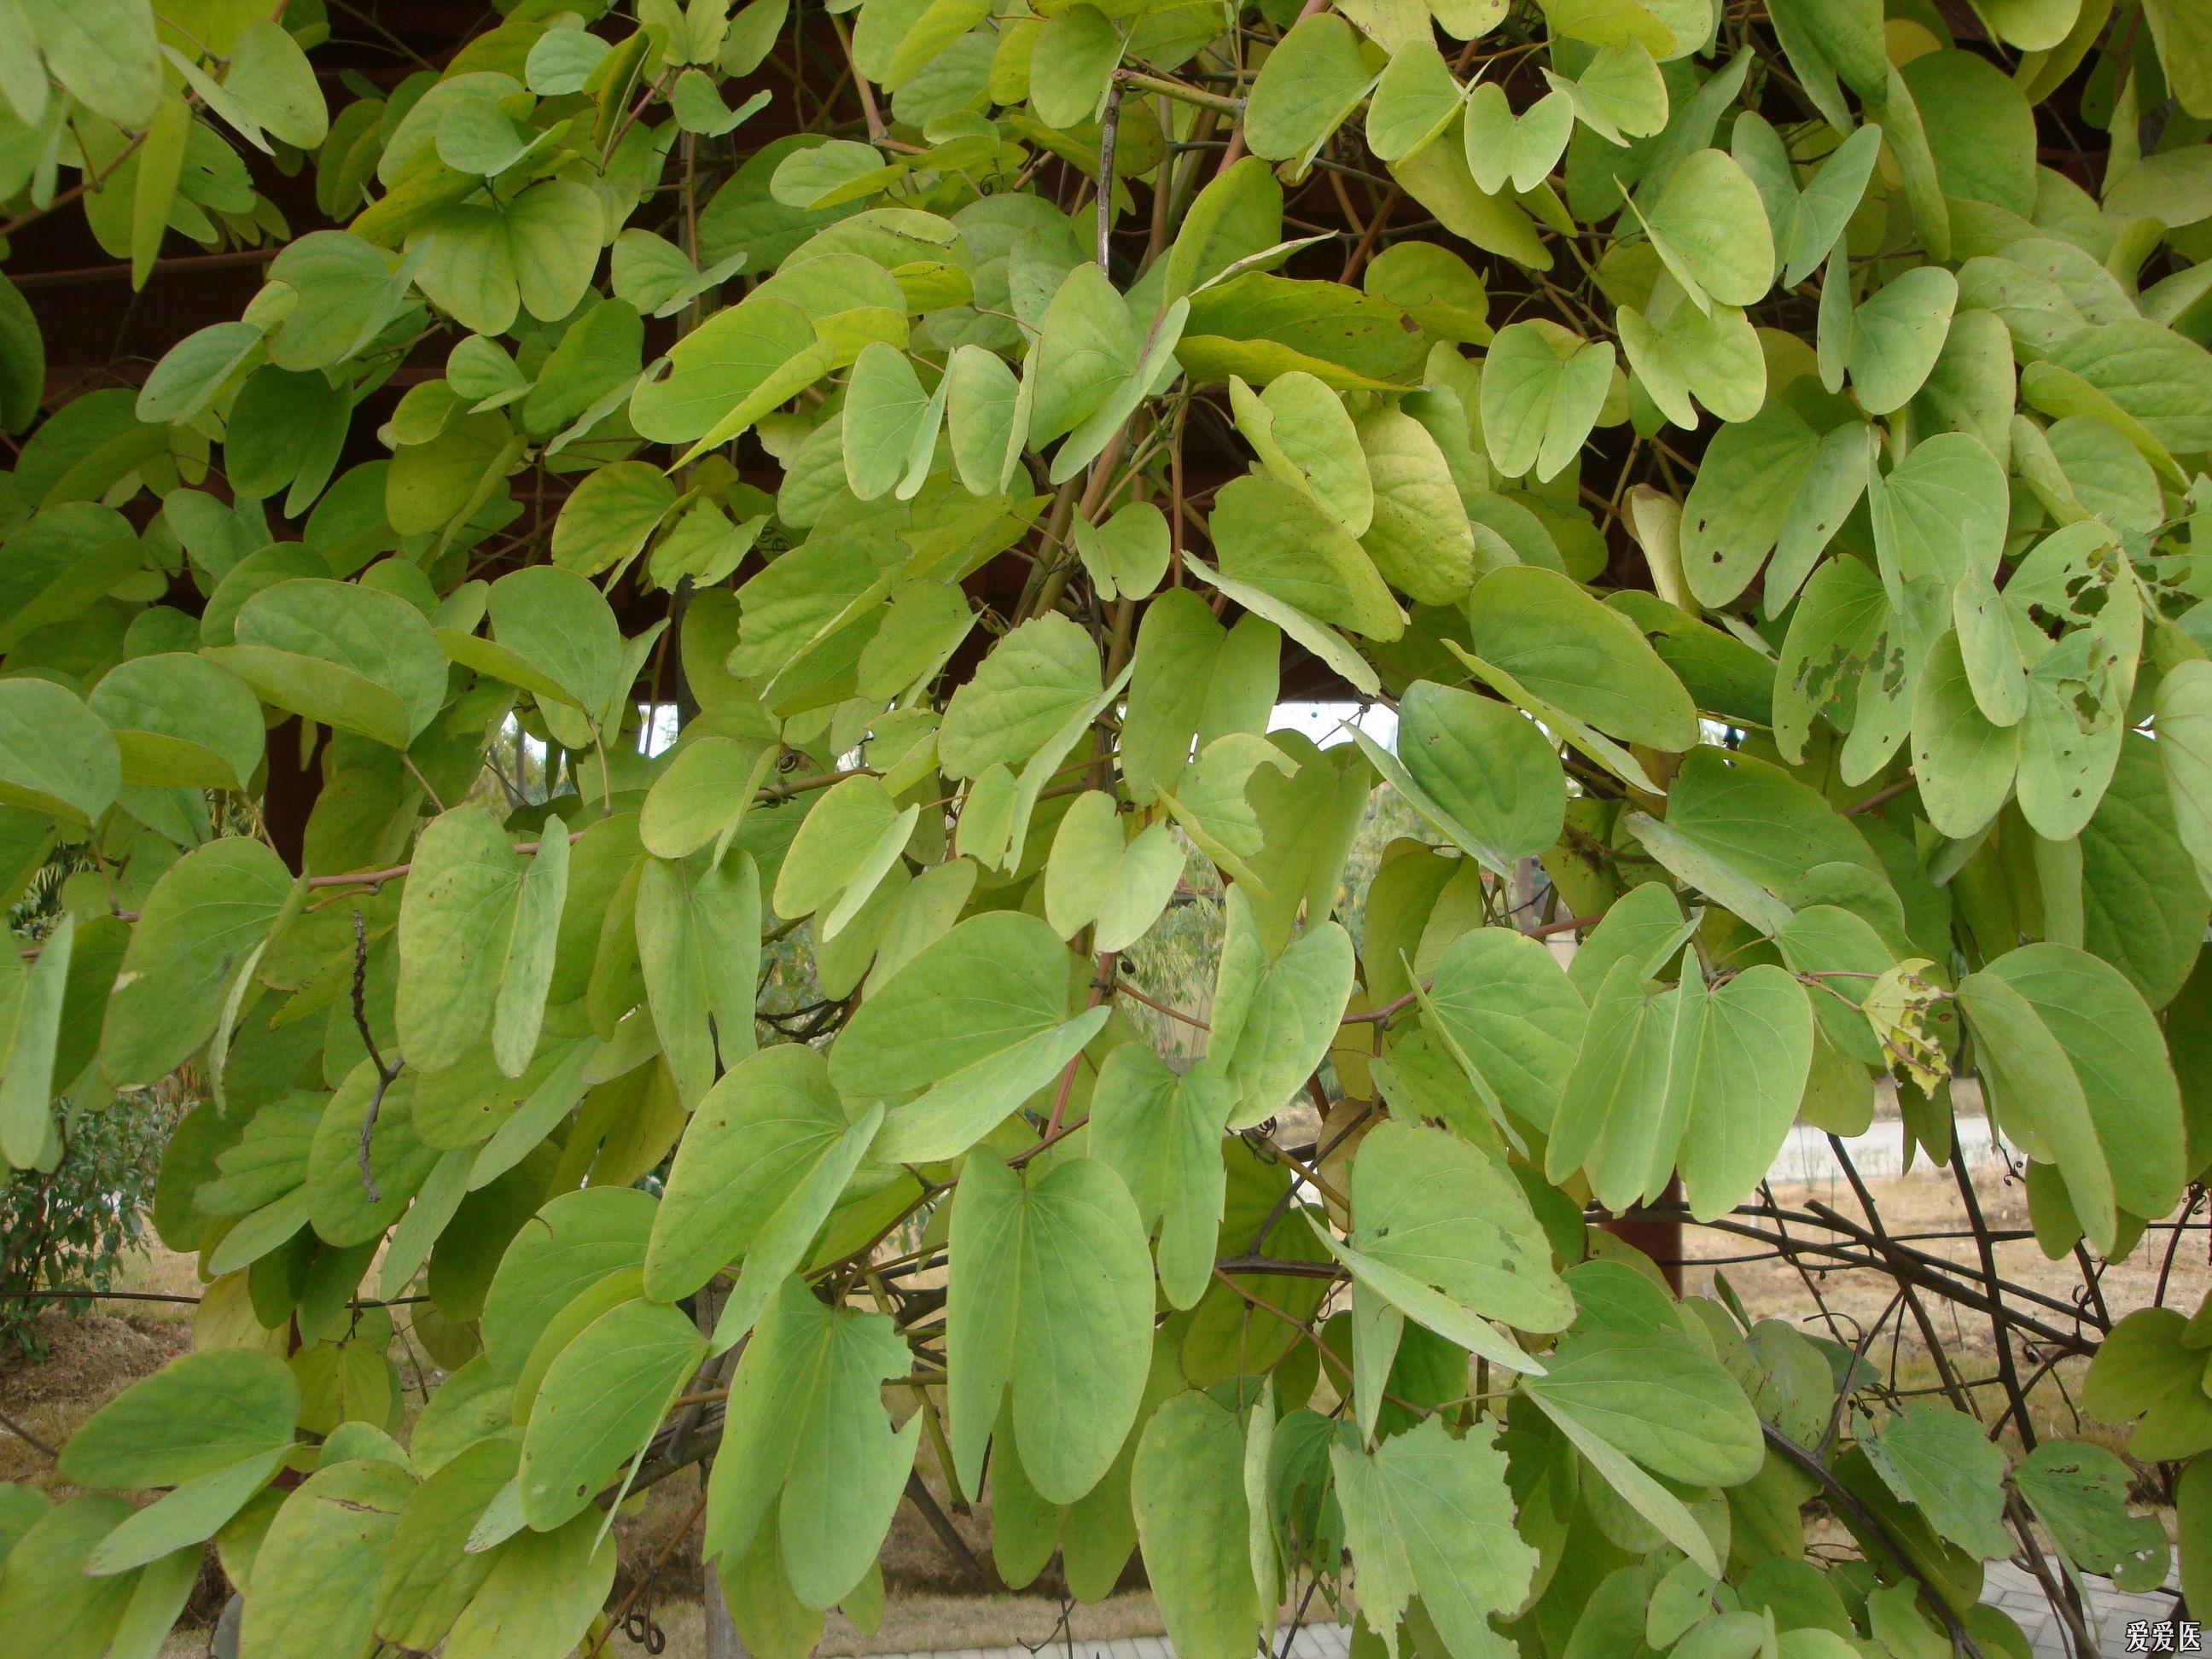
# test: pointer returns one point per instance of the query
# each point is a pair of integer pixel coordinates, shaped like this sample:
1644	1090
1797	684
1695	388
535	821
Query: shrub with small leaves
69	1228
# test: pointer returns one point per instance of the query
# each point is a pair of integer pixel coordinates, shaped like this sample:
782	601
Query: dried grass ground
91	1357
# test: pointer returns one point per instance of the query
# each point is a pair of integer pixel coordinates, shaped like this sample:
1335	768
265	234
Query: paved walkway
2007	1587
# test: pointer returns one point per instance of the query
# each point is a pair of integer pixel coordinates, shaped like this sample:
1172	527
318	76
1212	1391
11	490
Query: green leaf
1989	649
1306	439
1819	213
22	360
105	53
1942	512
1896	335
1212	801
180	721
56	755
1618	1117
208	912
1710	228
1542	390
2032	1083
429	1575
2080	1492
704	794
563	627
526	973
1571	652
1825	939
61	561
1443	1211
1415	102
339	1203
542	1593
46	1595
1619	94
575	1240
1090	345
347	290
851	840
1128	555
1741	1054
1436	177
1940	1461
1664	1402
347	655
1756	478
1074	1354
1714	353
1074	56
2070	736
272	81
990	986
1261	325
1309	85
1161	1133
2140	892
1962	763
1511	1018
432	485
310	1595
1436	287
27	1090
1502	146
1188	1487
1276	538
196	1415
1431	1515
190	1515
1981	130
1419	536
1094	880
751	1145
455	917
160	163
1271	1029
2112	1044
738	365
535	252
698	946
1751	815
986	415
1192	681
809	1438
608	519
1024	691
886	411
599	1405
1479	771
2185	744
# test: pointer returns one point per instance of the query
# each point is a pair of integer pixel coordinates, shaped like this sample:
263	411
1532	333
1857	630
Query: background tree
635	708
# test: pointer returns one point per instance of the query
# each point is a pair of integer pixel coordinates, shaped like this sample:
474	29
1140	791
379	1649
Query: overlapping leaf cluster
1756	451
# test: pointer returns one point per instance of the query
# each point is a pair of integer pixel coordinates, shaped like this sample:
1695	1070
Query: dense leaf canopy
630	725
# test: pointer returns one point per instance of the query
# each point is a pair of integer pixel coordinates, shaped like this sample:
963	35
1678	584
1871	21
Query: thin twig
646	1576
27	1437
1888	793
384	1073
